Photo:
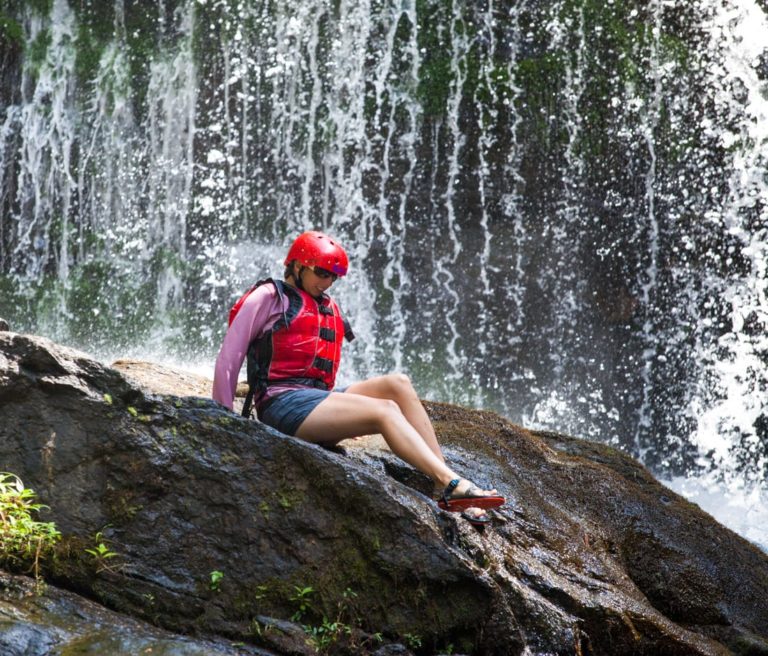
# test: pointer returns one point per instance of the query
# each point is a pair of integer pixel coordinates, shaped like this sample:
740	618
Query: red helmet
316	249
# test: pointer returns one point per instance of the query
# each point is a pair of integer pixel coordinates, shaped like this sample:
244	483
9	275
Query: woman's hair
289	269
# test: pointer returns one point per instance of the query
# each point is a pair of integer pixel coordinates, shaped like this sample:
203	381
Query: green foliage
301	597
216	578
324	635
412	640
101	553
23	540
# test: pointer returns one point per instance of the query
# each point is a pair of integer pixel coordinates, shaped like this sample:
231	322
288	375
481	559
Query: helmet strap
297	278
290	272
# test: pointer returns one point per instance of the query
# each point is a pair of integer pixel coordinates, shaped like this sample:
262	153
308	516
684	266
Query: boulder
226	527
57	621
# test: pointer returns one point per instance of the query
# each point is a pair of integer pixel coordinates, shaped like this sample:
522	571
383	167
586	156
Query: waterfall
730	400
555	210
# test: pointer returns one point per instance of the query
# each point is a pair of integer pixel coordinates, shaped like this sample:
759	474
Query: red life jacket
310	346
304	346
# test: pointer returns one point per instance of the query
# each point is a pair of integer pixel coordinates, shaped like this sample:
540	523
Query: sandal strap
449	489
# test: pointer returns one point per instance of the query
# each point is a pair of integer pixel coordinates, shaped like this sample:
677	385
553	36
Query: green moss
141	27
38	49
121	506
605	46
107	305
435	74
288	498
71	562
230	458
95	29
41	7
269	596
88	54
11	30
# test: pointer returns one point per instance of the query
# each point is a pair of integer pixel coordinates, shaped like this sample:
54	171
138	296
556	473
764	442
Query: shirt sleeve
257	315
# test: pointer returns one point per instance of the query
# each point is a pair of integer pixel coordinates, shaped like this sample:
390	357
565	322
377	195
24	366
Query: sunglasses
324	273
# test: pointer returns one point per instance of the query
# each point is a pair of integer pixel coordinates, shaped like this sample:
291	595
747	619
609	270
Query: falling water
556	210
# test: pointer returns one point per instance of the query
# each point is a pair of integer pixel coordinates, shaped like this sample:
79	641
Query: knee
400	385
387	410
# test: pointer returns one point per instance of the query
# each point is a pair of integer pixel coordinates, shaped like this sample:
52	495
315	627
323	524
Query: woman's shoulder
263	298
264	289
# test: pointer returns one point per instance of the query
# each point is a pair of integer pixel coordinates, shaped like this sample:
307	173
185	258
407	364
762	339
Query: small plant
322	637
258	629
22	539
412	640
101	553
301	597
216	577
328	633
376	638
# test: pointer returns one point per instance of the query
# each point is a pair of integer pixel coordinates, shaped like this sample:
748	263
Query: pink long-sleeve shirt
260	311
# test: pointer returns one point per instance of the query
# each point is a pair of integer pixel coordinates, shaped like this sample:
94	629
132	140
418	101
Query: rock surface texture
225	527
62	623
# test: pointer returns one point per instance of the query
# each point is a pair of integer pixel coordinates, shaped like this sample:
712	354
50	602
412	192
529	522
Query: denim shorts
287	411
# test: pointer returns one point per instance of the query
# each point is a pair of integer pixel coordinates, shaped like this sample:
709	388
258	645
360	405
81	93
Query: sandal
472	498
481	519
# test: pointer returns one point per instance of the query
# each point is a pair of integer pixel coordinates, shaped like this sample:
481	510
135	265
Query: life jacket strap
247	403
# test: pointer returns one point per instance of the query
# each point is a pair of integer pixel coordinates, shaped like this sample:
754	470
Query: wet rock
4	325
591	555
163	380
57	622
168	380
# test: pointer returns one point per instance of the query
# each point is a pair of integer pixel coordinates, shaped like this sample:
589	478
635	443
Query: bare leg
341	416
398	388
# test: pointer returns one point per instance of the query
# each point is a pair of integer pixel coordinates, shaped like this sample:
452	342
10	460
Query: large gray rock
590	555
59	622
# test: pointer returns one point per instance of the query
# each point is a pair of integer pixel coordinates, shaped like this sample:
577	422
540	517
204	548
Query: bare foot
466	488
476	516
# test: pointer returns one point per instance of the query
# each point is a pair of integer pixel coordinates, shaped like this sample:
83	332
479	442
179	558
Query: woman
291	332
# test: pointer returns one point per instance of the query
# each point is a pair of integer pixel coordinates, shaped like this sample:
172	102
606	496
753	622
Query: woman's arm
257	315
